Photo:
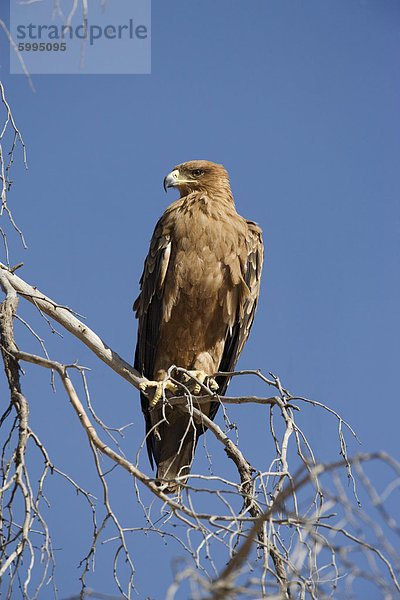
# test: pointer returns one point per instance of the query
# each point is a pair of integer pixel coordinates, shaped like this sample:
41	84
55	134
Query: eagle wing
149	310
238	334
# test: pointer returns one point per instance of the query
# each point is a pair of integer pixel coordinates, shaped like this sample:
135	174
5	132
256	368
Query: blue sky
299	101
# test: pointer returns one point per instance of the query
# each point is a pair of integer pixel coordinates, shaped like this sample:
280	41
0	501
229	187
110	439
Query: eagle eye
197	172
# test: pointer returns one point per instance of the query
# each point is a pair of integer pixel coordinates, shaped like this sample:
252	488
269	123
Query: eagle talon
196	389
202	377
160	387
213	384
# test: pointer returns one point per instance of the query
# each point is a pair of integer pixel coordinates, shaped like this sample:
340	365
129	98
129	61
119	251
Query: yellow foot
160	386
202	377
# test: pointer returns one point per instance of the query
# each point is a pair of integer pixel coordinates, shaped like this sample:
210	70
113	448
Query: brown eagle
199	292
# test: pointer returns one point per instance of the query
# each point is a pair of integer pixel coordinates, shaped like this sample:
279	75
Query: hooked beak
172	179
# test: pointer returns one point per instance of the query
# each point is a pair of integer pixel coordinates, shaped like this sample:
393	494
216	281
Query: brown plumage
199	292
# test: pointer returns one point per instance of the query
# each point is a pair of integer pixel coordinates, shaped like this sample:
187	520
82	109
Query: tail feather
174	444
176	466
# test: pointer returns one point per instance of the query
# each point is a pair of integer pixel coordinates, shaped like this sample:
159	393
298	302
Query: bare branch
64	317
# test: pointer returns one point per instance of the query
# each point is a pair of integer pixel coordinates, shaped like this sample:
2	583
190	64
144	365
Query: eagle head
198	176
